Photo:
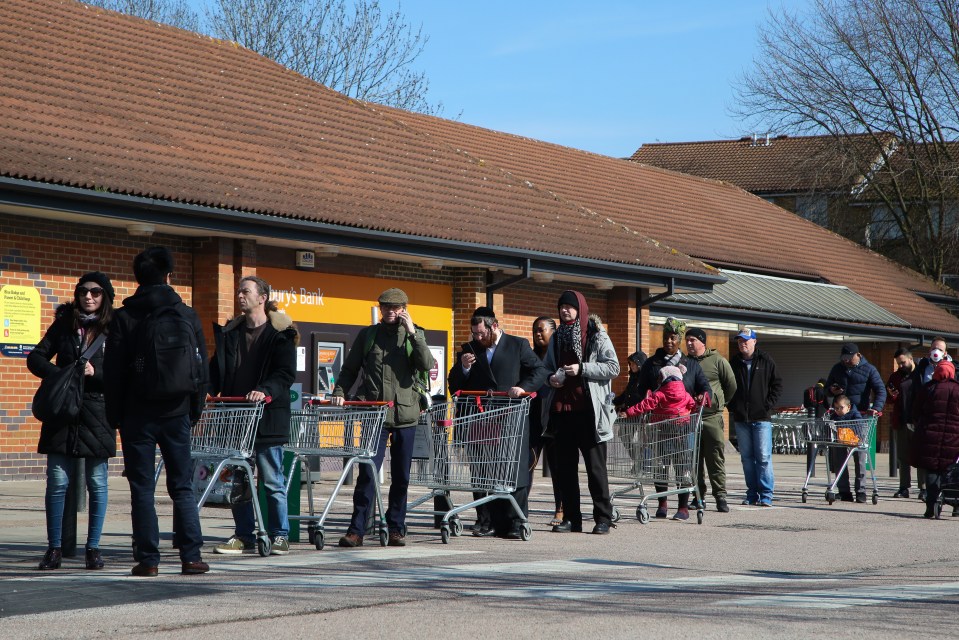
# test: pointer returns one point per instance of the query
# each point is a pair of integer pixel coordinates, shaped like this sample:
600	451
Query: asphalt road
791	571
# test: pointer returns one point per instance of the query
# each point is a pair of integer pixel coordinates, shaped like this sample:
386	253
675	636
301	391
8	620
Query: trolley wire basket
851	436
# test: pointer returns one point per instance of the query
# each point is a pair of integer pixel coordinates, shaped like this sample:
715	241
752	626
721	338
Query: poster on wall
19	320
438	372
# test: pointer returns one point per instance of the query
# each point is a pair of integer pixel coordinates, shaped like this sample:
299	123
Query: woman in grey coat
578	409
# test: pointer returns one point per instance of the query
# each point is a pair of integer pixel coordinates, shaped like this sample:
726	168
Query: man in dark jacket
694	380
898	387
255	358
758	387
145	422
398	351
858	380
501	362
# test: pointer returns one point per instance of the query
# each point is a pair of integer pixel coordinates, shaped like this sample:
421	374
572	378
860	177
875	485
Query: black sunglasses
96	292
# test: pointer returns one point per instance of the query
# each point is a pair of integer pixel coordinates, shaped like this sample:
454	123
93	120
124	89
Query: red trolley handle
491	393
356	403
209	398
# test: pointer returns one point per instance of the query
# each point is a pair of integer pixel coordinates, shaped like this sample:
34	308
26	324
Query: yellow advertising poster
339	299
19	320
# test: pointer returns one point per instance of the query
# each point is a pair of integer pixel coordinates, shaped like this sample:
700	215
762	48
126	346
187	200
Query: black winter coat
276	374
756	398
122	402
936	444
694	379
92	436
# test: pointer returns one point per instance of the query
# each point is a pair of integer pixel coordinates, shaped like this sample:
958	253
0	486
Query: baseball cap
849	349
746	334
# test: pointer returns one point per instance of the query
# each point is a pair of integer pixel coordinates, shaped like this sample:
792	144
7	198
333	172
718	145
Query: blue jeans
269	465
60	469
140	441
756	451
401	456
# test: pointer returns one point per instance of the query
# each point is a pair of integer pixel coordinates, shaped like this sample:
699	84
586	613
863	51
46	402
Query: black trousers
575	434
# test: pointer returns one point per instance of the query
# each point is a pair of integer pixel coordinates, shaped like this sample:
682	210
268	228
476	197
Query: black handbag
60	395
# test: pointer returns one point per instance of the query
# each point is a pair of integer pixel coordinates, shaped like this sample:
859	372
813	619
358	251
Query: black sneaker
602	528
861	498
902	493
721	505
569	527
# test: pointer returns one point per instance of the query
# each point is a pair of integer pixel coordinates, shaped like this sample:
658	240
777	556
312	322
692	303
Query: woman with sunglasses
76	326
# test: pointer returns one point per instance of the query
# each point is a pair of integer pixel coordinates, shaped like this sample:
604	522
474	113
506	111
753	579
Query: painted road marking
849	597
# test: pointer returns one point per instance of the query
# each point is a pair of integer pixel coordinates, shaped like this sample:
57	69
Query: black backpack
167	363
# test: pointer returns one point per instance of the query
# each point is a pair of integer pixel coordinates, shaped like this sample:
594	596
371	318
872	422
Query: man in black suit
501	362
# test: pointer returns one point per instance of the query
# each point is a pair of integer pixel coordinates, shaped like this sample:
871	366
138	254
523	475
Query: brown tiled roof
715	221
773	165
98	100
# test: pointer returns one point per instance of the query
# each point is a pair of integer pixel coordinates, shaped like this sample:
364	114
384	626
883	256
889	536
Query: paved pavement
790	571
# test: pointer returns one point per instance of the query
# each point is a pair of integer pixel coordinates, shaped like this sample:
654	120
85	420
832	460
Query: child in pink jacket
670	400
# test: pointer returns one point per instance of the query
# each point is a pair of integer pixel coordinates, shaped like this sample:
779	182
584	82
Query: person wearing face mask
897	389
77	326
921	375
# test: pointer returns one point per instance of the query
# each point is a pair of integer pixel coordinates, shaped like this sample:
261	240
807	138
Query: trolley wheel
616	514
830	497
456	527
311	532
263	546
445	534
875	498
526	533
384	537
699	516
642	514
318	540
804	496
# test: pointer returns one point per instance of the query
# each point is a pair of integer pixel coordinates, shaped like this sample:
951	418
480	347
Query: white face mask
936	355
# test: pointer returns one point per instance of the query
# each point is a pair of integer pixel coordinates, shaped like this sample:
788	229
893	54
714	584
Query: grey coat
600	366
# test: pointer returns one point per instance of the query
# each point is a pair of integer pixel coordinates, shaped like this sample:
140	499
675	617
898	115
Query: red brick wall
51	256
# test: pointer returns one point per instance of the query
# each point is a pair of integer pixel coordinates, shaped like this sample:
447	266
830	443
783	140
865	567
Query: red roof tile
95	99
774	165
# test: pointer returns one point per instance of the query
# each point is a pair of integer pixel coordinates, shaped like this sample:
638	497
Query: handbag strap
94	346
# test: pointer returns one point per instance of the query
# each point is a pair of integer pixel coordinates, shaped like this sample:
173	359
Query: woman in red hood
936	413
670	400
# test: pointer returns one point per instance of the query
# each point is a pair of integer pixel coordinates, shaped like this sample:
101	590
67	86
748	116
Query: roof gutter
29	194
747	316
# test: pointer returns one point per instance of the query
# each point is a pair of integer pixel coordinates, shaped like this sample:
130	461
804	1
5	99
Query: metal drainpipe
491	287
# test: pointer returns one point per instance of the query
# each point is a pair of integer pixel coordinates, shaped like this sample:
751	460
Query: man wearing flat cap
494	360
854	377
389	360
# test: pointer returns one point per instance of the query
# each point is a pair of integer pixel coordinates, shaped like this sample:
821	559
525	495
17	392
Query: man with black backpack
392	356
155	385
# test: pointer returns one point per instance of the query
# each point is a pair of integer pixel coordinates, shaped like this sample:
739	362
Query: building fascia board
100	204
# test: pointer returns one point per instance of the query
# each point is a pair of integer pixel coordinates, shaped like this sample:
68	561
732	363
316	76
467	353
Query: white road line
852	597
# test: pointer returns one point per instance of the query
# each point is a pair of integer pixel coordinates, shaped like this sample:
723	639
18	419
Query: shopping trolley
852	435
789	433
430	472
352	432
655	449
225	434
476	444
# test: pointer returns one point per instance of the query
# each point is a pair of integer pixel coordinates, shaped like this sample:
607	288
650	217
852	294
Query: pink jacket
671	399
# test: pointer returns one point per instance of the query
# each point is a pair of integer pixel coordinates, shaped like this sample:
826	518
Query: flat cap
393	296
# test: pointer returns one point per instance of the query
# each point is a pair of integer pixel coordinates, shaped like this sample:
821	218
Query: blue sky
601	76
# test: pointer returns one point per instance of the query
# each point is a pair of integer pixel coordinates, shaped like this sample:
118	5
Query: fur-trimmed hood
279	320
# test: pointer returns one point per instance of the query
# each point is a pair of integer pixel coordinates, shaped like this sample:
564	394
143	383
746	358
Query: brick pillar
621	327
469	292
214	284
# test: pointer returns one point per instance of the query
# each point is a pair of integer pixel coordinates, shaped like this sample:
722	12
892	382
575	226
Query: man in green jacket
389	362
712	445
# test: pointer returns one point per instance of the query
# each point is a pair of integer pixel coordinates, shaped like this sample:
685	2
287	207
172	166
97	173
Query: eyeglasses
96	292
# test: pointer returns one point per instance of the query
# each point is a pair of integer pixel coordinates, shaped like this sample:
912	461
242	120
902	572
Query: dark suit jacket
514	364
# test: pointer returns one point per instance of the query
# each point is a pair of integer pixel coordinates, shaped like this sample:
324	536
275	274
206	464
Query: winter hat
697	333
670	371
393	296
638	358
945	370
673	325
568	297
101	279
